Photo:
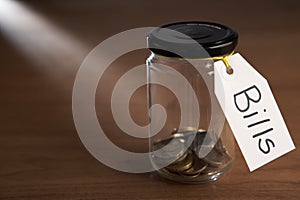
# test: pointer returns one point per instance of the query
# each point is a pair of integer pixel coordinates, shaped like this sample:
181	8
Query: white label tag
251	112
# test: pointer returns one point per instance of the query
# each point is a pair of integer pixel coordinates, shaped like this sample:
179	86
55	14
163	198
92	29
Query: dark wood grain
41	154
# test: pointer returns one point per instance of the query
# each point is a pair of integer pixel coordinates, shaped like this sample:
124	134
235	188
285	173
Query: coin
182	150
187	129
216	157
198	140
175	144
184	164
189	134
197	167
170	148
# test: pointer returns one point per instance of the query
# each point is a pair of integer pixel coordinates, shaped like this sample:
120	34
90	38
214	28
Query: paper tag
252	112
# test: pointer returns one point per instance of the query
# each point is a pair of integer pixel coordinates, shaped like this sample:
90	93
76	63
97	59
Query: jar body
190	140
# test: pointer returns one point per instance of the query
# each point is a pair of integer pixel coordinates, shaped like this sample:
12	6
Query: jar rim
194	39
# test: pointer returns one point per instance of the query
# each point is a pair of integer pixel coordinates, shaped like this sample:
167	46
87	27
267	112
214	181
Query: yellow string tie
229	70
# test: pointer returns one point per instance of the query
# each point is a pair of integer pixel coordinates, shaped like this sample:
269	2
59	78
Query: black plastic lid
215	40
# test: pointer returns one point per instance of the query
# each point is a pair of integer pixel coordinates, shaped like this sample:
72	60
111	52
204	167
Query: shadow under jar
190	139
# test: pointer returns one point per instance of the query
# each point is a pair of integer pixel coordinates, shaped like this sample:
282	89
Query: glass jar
190	139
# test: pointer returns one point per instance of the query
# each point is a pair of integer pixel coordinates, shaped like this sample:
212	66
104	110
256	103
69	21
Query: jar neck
164	59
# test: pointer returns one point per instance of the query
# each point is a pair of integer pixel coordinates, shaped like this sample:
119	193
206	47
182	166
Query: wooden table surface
42	44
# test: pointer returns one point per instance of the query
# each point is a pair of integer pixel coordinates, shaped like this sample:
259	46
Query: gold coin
185	164
197	167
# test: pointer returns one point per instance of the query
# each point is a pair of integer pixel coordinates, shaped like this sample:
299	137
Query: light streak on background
46	45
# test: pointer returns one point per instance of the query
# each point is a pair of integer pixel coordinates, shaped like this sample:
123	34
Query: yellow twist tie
229	70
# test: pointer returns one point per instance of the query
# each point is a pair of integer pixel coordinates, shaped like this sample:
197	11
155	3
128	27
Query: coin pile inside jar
182	150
